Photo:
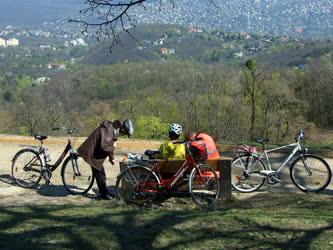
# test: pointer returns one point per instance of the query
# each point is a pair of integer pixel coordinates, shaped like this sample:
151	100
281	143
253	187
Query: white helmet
176	128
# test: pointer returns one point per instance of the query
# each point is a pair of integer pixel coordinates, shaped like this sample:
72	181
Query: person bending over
101	144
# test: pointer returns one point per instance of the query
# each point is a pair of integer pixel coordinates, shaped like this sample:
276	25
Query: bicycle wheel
204	185
77	175
137	185
245	173
27	168
310	173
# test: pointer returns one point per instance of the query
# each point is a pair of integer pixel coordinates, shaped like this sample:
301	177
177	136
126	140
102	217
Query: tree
112	17
253	84
30	111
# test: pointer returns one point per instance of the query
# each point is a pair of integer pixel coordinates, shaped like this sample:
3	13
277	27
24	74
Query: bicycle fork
306	165
74	164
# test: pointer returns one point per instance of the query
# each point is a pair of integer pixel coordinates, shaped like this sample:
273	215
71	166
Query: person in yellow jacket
168	150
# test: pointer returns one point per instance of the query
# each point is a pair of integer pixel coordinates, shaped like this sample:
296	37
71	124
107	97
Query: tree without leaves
253	86
111	18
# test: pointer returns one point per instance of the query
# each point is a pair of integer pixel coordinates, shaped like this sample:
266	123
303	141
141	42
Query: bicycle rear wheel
137	185
204	185
27	168
310	173
77	175
245	173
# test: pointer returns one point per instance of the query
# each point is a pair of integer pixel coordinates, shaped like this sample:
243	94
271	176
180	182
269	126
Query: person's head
124	127
175	131
190	136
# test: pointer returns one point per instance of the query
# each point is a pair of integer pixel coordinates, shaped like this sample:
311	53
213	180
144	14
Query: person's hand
112	162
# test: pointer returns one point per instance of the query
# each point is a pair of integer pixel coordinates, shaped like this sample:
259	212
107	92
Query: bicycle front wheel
137	185
27	168
204	186
77	175
310	173
245	173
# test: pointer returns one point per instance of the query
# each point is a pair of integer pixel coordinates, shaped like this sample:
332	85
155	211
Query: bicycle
141	181
308	172
31	164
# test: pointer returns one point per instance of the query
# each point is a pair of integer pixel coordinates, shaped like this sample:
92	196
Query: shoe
107	197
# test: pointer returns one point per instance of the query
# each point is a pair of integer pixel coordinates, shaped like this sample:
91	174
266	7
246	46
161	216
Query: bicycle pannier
198	150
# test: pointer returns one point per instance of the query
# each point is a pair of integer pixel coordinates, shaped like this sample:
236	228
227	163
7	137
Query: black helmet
129	127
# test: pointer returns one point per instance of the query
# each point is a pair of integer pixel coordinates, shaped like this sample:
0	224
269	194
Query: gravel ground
55	193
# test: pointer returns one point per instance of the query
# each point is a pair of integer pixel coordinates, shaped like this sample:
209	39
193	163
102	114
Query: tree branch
110	18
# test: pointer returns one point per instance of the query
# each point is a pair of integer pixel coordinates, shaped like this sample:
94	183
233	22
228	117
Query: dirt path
55	193
12	195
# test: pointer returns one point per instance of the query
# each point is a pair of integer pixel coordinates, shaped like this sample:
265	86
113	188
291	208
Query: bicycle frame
171	182
69	148
41	150
297	148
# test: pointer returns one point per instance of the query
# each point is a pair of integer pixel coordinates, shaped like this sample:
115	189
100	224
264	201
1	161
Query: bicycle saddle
262	140
40	137
151	153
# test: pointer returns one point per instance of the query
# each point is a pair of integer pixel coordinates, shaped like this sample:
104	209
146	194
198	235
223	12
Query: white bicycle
250	170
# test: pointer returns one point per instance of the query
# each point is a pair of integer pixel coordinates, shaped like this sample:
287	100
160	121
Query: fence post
224	165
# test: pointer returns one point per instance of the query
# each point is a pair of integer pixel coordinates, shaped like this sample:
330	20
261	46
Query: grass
266	220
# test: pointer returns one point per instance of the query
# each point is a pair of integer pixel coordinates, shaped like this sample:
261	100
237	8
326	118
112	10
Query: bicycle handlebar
300	135
70	131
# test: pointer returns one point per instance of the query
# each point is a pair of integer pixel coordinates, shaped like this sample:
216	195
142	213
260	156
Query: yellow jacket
170	151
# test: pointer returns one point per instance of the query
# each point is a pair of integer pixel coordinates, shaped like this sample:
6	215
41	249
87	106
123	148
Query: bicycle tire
243	181
32	172
137	185
204	186
320	176
77	179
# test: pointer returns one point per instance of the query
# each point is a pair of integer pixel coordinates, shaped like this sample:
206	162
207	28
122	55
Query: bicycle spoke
137	185
204	186
77	176
245	173
310	174
27	168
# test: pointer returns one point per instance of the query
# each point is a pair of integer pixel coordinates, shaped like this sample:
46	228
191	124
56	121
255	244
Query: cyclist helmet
176	128
129	127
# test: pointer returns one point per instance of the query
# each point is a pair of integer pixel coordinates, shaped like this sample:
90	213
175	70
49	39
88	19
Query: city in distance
313	18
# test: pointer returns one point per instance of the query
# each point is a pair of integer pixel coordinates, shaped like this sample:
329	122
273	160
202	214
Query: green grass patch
266	220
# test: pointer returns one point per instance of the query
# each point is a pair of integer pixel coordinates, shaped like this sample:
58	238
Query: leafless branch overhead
110	18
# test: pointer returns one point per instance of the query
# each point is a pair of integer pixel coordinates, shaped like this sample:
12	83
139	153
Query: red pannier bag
198	150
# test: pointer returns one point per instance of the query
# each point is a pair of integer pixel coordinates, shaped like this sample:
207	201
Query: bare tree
253	86
30	112
110	18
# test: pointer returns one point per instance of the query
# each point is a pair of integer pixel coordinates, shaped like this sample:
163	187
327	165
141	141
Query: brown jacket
99	145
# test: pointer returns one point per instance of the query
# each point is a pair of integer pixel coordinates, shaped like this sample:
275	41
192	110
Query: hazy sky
36	11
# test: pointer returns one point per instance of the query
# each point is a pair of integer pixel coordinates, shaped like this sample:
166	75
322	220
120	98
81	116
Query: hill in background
167	42
298	18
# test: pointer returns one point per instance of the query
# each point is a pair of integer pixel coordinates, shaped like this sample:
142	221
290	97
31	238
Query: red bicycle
141	181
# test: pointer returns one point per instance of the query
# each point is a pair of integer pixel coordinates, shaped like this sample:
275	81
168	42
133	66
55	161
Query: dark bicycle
32	163
141	182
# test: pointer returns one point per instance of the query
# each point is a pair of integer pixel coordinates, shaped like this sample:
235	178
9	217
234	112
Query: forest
234	104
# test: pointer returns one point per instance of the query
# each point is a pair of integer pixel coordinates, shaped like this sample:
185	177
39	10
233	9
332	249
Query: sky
15	12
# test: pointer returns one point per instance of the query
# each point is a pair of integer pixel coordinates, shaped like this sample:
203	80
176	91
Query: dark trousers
101	181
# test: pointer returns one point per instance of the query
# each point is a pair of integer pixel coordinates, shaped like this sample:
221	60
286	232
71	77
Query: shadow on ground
107	225
6	178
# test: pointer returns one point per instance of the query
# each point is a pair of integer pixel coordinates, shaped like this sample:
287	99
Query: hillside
165	42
